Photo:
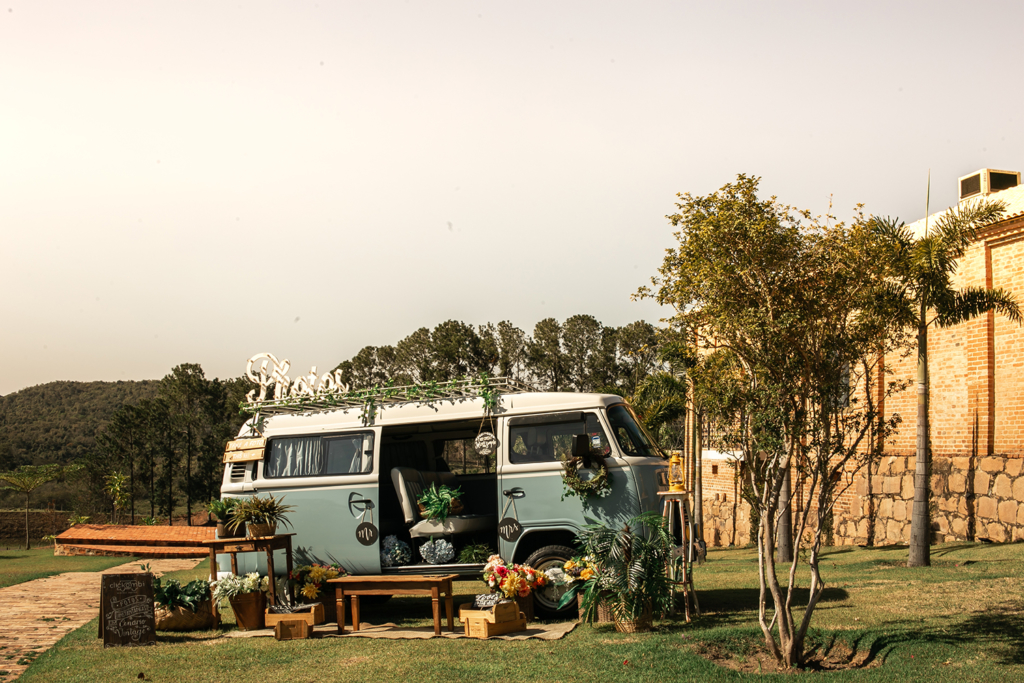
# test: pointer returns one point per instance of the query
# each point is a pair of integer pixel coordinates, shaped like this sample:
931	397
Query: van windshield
632	437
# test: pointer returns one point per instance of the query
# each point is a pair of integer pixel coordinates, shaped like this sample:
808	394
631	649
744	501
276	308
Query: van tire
545	601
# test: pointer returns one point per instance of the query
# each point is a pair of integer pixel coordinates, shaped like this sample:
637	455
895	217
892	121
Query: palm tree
922	269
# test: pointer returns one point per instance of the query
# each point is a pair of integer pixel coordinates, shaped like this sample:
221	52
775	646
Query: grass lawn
18	566
960	620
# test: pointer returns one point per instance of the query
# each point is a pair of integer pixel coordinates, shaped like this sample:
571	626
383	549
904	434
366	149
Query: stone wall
41	523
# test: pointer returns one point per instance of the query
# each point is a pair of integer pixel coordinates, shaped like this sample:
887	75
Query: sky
200	182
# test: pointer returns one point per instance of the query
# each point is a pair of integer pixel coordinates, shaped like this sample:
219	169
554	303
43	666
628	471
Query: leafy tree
638	353
28	478
415	357
513	349
546	356
797	308
581	341
456	350
922	271
190	400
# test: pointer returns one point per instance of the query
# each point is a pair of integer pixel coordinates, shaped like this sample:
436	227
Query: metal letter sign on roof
312	392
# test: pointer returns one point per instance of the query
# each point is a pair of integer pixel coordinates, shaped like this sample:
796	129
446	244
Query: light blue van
340	473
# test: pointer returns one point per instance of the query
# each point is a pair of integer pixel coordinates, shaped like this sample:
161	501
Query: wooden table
434	586
233	546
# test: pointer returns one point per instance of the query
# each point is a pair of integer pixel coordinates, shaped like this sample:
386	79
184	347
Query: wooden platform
134	541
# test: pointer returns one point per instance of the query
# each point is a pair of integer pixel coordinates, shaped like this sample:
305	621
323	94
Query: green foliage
438	501
171	593
221	507
259	510
28	478
76	518
117	488
475	553
632	563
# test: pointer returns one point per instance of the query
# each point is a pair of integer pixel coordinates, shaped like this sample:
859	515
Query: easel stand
675	509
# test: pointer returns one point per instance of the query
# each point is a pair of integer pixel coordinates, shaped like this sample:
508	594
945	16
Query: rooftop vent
986	181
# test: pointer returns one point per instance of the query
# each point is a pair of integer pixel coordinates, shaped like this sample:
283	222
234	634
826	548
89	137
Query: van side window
461	457
550	442
315	456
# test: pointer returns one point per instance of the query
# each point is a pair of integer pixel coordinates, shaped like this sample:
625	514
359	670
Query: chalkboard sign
126	610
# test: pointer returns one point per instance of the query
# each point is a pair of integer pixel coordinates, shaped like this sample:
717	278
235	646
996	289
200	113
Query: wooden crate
500	613
292	629
312	617
501	619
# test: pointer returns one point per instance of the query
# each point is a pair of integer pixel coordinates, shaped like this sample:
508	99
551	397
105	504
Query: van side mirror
581	448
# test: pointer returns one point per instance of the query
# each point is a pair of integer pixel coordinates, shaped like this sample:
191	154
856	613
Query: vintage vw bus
354	476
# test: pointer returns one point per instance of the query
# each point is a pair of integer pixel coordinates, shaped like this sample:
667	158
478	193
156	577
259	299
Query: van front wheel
545	600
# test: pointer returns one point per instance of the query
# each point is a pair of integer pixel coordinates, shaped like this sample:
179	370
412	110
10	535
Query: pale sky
203	181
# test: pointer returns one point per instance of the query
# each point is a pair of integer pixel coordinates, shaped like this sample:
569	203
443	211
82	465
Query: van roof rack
488	388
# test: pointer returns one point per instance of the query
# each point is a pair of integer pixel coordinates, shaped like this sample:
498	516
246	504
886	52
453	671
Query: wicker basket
184	619
604	610
456	508
260	530
525	606
643	624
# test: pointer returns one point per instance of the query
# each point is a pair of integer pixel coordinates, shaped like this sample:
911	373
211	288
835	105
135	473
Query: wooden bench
434	586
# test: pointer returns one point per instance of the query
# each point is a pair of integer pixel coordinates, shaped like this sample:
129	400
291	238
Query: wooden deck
138	541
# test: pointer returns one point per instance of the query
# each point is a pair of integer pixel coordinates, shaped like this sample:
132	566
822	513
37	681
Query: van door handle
514	492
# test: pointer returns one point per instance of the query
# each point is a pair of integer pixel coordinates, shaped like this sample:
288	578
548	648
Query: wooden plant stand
674	507
233	546
434	586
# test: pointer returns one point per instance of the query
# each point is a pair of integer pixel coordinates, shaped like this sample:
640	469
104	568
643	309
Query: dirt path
36	614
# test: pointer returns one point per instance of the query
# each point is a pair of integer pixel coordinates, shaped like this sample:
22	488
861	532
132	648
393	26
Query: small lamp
675	473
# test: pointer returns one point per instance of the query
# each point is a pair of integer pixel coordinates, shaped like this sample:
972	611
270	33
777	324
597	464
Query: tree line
580	354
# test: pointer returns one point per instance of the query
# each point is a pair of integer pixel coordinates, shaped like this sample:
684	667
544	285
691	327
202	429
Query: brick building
976	372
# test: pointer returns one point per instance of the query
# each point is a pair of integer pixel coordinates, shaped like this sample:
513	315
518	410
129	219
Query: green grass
18	566
960	620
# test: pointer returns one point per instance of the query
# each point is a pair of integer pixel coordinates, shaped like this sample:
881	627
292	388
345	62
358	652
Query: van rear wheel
545	600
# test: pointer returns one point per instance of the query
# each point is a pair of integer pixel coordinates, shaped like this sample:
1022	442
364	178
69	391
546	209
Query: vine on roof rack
277	393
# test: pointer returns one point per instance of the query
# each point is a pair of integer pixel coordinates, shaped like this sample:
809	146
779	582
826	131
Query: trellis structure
488	388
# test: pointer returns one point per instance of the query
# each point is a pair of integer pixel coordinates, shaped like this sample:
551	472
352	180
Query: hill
58	421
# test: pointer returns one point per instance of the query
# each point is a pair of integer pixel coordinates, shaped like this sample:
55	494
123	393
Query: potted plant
260	515
582	577
632	577
247	597
308	583
183	608
439	502
221	509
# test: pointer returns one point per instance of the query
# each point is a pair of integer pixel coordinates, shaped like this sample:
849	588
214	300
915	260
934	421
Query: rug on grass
392	632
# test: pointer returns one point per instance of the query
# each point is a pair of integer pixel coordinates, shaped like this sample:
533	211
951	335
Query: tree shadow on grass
734	606
999	629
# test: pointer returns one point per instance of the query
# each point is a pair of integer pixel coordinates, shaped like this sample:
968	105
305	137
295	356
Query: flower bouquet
515	582
308	583
582	576
247	596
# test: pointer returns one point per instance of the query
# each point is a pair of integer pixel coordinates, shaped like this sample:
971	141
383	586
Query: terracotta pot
224	531
258	530
250	610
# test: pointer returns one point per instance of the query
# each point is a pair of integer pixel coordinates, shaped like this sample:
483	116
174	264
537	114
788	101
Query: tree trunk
28	545
785	546
698	481
920	524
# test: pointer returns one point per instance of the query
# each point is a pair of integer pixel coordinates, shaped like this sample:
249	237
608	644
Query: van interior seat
410	484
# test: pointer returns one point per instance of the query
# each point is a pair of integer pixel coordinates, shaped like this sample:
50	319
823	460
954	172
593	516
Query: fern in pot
632	579
222	509
439	502
261	516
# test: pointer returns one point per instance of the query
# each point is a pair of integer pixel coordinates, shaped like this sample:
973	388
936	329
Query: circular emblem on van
366	533
486	443
510	529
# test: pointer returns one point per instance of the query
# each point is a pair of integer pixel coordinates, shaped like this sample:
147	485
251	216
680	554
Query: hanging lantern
676	482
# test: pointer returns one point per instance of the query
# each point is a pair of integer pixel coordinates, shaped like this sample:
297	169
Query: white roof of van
432	411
